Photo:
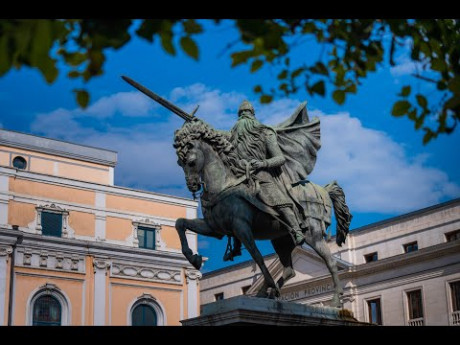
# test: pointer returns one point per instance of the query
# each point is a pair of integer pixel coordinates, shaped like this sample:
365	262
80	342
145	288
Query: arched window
48	306
146	310
144	315
47	311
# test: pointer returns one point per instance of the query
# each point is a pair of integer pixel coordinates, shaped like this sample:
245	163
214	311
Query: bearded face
248	138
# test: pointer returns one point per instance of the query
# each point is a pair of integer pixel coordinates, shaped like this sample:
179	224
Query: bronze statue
258	144
254	187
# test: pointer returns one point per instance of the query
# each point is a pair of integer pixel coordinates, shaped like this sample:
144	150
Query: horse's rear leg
283	247
315	239
198	226
244	233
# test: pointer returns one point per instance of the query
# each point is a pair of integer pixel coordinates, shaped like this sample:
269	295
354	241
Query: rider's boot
294	229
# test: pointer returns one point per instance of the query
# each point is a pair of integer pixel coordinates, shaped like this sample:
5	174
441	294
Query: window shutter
51	224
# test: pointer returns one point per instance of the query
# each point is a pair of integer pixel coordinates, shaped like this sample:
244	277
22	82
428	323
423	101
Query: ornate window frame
53	290
147	223
151	301
53	208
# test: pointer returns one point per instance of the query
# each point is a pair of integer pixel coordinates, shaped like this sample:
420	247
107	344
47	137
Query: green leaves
319	88
400	108
82	97
256	64
266	99
350	50
421	100
319	68
405	92
192	27
189	46
339	96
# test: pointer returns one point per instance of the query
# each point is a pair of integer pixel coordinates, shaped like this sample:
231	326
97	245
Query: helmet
246	106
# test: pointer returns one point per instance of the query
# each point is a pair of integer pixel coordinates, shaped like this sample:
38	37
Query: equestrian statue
254	186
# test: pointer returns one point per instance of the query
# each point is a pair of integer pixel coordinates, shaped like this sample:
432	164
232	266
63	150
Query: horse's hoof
228	257
336	302
197	261
262	294
273	293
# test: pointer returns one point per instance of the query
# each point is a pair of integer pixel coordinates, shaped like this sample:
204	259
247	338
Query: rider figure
257	144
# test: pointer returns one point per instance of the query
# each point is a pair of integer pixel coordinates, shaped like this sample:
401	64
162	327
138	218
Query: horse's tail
341	211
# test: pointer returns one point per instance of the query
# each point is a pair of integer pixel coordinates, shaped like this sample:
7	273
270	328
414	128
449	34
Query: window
47	311
453	236
455	295
19	162
48	307
145	311
245	289
455	292
219	296
371	257
146	237
52	220
51	224
415	306
410	247
144	315
375	312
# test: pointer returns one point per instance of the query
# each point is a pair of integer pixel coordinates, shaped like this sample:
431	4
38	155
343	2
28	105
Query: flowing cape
299	140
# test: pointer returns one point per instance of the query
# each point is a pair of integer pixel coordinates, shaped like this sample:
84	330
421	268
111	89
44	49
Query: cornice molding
146	272
94	187
38	243
191	274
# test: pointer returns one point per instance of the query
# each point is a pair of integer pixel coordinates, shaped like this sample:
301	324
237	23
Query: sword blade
175	109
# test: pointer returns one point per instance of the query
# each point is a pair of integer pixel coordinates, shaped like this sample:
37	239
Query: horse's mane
200	130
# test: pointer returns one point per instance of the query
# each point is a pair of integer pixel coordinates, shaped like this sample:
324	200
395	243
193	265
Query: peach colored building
77	250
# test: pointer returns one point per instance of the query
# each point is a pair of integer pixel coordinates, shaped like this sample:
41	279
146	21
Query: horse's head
206	155
192	163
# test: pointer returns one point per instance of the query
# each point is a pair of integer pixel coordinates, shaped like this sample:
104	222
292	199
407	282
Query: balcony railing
416	322
456	318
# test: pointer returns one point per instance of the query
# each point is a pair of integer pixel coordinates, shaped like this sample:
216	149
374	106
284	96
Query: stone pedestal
247	311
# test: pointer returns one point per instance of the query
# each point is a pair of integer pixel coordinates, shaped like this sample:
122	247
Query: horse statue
229	208
230	205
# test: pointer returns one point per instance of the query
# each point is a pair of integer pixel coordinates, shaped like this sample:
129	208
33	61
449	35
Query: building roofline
235	266
57	147
405	216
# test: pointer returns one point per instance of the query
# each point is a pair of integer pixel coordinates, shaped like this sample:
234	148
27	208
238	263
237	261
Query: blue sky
379	160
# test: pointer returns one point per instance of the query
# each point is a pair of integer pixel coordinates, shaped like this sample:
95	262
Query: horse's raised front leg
198	226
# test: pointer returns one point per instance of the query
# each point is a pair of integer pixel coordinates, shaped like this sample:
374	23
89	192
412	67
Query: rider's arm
274	152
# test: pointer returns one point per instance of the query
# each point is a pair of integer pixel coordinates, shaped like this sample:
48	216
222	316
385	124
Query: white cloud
127	103
217	107
374	170
404	68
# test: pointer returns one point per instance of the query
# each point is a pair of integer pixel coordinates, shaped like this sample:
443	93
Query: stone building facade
77	250
400	271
